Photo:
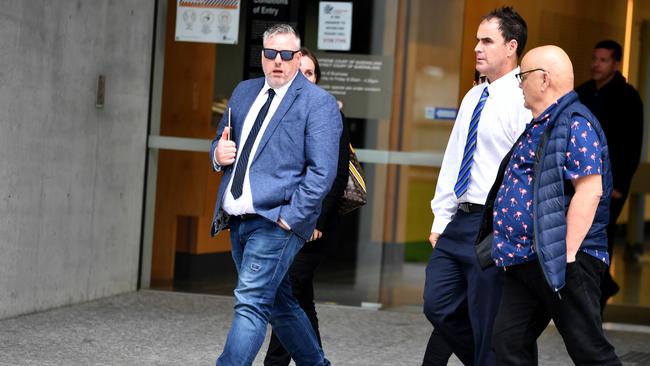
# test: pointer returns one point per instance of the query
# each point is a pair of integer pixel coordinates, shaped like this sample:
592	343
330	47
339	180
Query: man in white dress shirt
460	299
279	158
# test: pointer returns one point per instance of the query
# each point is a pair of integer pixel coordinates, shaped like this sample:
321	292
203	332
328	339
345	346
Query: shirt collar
281	91
548	112
504	83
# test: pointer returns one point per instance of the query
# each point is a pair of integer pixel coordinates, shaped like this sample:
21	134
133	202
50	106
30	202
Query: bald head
552	81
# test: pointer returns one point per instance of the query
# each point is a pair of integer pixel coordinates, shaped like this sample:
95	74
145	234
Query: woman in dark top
310	256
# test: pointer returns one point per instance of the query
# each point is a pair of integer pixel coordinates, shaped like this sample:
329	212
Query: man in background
618	108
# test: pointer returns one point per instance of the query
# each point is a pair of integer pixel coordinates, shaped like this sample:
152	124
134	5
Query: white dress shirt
244	204
503	119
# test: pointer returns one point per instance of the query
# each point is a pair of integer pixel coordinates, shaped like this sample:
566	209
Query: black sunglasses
521	74
285	55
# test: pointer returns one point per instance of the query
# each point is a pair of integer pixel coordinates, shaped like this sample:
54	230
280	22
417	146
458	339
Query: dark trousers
438	351
460	299
608	286
528	304
301	274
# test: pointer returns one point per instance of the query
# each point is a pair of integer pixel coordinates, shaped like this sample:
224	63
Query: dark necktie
237	187
470	146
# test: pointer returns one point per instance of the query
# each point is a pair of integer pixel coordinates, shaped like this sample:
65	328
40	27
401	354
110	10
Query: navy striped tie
237	187
470	146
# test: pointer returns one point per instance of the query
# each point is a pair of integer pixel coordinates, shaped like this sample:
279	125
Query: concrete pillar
71	174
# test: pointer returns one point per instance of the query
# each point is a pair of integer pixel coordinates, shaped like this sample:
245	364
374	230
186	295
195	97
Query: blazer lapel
283	108
239	115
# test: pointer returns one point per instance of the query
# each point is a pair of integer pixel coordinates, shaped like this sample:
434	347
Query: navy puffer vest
552	193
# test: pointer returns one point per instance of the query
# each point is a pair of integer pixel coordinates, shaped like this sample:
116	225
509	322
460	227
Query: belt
245	217
470	207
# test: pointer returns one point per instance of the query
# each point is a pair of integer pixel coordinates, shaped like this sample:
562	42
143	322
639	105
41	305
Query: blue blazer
296	160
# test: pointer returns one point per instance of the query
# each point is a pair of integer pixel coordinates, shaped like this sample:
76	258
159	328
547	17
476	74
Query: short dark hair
615	47
306	52
511	25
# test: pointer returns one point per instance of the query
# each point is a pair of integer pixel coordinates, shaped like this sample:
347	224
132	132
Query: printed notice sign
363	83
208	21
334	26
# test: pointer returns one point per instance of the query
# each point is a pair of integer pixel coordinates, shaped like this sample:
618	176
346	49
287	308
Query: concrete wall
71	174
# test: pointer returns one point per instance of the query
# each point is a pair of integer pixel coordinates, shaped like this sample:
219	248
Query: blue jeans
263	252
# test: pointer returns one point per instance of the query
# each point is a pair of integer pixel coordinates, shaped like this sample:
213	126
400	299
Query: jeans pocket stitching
282	253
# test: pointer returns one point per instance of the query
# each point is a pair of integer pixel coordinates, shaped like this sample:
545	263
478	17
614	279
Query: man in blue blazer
278	164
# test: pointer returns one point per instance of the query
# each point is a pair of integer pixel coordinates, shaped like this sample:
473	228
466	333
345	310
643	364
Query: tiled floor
170	328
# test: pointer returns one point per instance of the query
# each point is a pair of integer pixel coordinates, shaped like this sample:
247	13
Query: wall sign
440	113
362	82
208	21
334	26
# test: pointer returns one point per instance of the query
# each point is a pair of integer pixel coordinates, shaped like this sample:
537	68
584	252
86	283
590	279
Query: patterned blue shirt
513	208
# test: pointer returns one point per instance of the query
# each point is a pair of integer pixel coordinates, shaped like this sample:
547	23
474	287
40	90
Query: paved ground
166	328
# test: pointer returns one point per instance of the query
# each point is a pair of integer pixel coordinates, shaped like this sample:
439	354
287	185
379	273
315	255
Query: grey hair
280	29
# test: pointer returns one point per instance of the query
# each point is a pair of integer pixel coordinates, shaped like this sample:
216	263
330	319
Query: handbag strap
355	172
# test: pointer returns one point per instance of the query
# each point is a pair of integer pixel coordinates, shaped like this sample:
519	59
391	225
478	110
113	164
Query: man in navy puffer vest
549	221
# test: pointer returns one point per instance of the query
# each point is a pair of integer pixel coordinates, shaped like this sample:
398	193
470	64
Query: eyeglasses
520	76
285	55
